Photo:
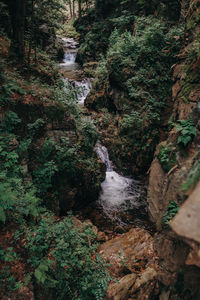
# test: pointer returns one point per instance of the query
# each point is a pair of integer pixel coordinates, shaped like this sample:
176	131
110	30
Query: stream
122	201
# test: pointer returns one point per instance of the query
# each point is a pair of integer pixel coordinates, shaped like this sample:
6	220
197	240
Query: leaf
40	276
2	215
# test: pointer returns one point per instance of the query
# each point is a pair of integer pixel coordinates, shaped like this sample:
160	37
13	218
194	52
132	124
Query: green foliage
10	122
43	176
88	135
167	157
65	259
9	87
7	280
9	255
186	130
192	178
171	211
17	199
135	77
36	127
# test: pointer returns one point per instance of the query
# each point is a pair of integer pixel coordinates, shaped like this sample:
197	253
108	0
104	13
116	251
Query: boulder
120	290
129	252
145	285
187	222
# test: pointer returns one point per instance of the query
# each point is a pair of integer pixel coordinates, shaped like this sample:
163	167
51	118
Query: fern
186	130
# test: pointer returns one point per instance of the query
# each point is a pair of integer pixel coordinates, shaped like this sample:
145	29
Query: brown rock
172	254
185	109
176	89
195	94
120	291
154	196
132	250
187	222
145	285
102	237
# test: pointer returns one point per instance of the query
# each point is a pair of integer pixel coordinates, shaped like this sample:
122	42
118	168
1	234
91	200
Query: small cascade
119	194
69	61
71	67
69	57
84	86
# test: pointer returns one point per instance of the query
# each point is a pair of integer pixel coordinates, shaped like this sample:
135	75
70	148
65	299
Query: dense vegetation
46	153
48	167
133	80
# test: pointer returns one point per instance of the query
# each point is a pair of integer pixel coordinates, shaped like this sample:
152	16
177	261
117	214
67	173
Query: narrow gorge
99	150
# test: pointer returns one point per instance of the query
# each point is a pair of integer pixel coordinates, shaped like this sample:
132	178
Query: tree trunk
73	8
70	8
31	34
79	8
17	15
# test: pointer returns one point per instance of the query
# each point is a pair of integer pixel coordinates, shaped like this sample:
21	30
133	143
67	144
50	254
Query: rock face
187	221
178	250
187	224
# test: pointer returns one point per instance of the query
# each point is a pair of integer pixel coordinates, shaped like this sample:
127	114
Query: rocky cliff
174	173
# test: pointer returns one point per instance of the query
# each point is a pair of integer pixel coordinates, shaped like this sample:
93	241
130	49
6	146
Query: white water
84	87
69	61
118	193
69	64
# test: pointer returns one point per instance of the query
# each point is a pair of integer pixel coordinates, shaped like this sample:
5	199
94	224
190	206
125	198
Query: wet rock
134	286
102	237
145	285
131	251
120	290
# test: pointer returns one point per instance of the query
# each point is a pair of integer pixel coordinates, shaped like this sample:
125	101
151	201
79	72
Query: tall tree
17	10
79	9
70	8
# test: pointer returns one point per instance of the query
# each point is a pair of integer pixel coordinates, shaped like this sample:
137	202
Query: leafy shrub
167	157
10	121
43	176
36	127
17	199
65	259
186	130
135	78
88	135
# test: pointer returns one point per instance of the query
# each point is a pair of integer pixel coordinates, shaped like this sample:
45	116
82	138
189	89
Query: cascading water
118	193
84	87
69	59
69	64
120	196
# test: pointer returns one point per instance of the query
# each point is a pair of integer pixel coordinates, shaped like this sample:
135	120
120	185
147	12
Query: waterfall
118	193
69	64
84	87
69	61
69	57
